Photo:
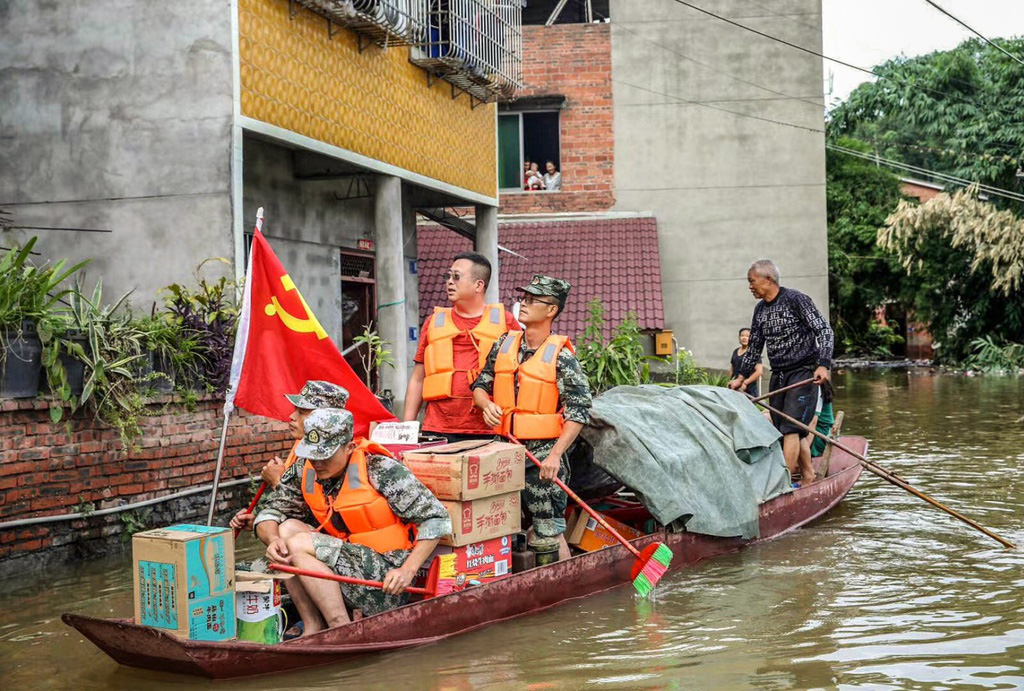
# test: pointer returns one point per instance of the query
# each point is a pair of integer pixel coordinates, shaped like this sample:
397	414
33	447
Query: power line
714	69
714	107
705	65
899	165
949	179
993	190
841	62
975	32
789	17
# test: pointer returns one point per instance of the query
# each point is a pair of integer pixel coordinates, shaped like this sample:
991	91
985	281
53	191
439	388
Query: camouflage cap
548	286
319	394
326	431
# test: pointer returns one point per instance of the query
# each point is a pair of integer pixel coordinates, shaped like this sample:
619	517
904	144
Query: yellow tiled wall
375	103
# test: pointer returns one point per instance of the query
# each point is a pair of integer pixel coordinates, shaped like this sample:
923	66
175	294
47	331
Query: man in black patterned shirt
799	342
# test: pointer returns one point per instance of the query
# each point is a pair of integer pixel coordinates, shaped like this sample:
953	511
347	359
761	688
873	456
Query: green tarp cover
700	458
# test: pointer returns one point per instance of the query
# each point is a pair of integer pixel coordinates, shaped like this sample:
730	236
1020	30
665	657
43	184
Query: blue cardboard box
184	581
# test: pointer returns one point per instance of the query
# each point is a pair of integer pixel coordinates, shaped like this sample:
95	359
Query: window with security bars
477	45
357	266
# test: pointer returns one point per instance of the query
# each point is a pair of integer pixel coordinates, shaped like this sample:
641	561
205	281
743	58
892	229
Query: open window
526	137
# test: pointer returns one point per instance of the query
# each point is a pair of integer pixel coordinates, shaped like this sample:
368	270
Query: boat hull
438	618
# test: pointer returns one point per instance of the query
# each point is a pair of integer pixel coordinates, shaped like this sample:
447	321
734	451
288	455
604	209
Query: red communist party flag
280	346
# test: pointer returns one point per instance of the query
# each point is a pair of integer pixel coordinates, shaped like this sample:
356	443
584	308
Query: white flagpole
238	356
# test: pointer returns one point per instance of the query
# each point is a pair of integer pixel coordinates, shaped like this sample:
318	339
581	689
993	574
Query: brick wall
49	469
575	61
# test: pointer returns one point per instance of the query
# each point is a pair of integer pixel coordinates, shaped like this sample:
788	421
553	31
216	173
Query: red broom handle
343	579
254	502
583	505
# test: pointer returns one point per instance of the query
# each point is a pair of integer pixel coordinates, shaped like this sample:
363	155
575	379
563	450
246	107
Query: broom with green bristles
651	564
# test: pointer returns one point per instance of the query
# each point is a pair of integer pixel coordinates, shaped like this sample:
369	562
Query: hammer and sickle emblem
302	325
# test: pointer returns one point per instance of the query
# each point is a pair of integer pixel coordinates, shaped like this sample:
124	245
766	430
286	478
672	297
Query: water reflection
886	592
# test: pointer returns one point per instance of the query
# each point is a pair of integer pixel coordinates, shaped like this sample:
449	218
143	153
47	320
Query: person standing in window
552	178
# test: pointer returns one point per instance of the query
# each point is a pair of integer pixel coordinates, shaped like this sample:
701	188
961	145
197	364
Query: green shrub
988	355
621	361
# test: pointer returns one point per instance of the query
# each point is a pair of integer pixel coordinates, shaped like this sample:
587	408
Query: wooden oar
892	478
652	562
784	388
254	502
344	579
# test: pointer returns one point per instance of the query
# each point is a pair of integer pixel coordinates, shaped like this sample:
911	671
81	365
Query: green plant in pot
374	353
111	354
206	317
28	295
64	358
161	338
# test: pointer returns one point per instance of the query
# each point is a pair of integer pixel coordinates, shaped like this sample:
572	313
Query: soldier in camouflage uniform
543	500
314	394
285	524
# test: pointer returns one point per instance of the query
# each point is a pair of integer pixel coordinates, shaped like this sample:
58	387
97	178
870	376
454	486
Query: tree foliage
862	275
964	260
955	262
956	111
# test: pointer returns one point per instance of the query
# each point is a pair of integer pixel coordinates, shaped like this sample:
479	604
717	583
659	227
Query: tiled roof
615	260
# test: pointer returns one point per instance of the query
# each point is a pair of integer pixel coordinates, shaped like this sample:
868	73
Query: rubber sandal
290	636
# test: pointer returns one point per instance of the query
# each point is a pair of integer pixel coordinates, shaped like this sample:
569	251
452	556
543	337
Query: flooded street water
885	592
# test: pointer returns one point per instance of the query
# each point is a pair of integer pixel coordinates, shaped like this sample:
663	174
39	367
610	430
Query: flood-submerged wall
55	469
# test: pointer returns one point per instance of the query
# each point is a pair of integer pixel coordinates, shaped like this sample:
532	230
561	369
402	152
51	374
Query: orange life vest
535	411
439	355
290	461
362	510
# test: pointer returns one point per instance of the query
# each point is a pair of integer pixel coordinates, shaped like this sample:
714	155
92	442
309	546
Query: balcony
476	45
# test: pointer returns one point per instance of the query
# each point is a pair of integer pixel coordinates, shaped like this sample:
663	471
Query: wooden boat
435	619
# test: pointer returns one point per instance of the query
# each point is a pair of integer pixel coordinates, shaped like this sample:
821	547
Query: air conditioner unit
385	22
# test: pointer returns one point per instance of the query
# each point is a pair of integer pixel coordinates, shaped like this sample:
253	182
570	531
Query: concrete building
719	133
167	125
655	110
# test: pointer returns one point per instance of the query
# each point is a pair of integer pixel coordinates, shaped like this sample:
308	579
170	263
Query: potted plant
27	296
161	339
109	356
374	353
206	318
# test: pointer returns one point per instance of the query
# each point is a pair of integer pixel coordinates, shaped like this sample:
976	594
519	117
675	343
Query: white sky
868	32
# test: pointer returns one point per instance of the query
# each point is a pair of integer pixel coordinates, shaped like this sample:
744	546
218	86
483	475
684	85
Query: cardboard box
469	469
184	578
481	519
459	566
590	536
400	437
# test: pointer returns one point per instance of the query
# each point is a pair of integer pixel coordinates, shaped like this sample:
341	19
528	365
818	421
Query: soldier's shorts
359	561
545	502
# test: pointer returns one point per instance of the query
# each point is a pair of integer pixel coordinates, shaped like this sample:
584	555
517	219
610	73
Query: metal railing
476	45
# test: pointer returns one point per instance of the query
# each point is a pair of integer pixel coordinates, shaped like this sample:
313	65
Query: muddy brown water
885	592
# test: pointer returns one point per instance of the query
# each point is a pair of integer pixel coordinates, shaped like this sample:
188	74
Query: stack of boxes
479	483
